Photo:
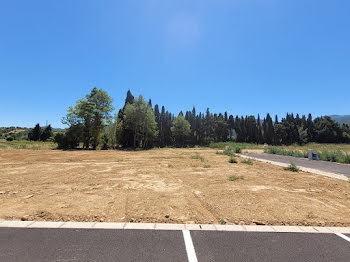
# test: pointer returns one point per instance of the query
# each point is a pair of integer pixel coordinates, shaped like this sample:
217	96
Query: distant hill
341	119
21	133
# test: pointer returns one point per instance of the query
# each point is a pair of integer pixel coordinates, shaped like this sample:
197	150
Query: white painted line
343	236
191	254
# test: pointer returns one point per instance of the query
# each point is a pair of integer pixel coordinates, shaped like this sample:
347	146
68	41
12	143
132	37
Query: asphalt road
331	167
34	244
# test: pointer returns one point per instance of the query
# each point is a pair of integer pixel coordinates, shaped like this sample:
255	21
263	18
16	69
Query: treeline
40	134
140	125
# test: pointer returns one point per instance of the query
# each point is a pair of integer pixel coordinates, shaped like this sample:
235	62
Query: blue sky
246	57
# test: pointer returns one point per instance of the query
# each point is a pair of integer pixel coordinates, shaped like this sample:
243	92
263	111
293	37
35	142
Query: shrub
232	160
228	151
198	156
233	178
222	221
247	161
9	138
292	167
238	150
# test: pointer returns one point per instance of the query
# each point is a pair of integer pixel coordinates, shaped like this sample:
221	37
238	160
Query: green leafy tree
181	130
139	119
303	135
91	112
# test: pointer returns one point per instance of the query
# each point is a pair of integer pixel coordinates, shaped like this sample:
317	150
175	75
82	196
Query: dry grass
166	185
320	147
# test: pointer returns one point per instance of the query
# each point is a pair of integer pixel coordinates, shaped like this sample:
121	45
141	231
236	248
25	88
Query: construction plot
164	186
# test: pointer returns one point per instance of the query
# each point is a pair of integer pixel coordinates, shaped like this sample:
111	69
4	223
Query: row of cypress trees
212	127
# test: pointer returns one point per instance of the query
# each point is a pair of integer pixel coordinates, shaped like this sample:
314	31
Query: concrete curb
305	169
161	226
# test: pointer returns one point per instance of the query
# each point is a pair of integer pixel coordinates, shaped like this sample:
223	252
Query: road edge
163	226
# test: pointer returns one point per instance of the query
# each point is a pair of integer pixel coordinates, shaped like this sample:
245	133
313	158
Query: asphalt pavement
325	166
57	244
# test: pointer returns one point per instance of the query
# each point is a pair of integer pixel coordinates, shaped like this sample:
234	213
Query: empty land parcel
165	185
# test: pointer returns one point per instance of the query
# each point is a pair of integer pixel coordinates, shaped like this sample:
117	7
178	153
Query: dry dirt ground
164	185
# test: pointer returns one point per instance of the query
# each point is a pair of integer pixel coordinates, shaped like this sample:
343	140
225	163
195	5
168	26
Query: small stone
29	196
258	223
25	218
167	216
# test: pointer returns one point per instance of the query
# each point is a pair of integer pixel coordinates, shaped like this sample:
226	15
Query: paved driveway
325	166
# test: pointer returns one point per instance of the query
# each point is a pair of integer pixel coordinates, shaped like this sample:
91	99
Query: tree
124	136
71	138
139	119
46	134
327	130
35	133
280	134
91	112
181	130
303	136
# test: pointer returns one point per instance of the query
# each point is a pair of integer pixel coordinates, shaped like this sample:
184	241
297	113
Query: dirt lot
166	185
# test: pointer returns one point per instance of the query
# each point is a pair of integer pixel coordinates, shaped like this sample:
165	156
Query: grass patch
232	160
235	144
234	178
247	161
206	166
30	145
198	156
325	155
292	167
170	166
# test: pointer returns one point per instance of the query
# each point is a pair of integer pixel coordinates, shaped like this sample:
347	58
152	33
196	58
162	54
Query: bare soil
164	185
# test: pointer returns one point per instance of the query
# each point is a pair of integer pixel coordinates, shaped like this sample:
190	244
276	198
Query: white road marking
191	254
343	236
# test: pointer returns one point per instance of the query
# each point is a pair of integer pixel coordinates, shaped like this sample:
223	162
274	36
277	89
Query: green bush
9	138
232	160
247	161
292	167
233	178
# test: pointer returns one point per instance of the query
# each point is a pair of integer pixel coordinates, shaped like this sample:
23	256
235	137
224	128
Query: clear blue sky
246	57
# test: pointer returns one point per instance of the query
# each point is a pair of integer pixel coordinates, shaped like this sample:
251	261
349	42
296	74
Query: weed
292	167
206	166
198	156
247	161
232	160
223	221
233	178
238	150
170	166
